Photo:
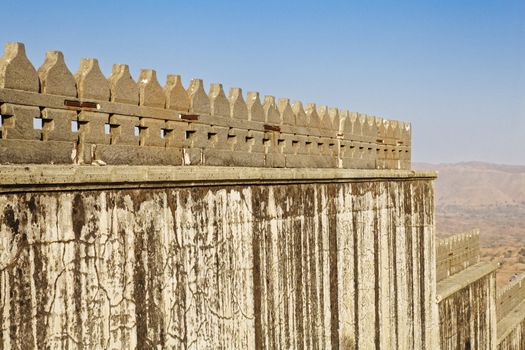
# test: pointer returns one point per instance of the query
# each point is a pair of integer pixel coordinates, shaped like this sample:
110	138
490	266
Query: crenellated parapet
51	115
456	253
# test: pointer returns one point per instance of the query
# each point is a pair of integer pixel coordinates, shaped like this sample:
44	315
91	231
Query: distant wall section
457	253
466	294
511	316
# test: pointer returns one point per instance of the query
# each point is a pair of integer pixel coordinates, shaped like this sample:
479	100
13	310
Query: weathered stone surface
255	108
312	116
515	339
271	114
467	318
239	109
300	114
236	267
286	112
122	86
150	91
16	71
55	77
199	101
298	132
176	96
91	83
219	104
456	253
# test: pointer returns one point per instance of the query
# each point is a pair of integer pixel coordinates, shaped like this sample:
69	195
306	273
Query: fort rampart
139	216
456	253
135	215
50	115
466	294
511	315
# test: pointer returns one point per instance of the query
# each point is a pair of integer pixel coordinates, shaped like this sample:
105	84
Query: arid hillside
490	197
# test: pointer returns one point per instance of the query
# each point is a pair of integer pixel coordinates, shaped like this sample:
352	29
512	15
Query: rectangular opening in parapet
37	123
136	131
212	136
165	133
107	129
74	126
189	134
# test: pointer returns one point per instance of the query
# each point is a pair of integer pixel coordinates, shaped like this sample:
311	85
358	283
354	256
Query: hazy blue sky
455	69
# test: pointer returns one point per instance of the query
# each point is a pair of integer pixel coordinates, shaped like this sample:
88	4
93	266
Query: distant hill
490	197
476	185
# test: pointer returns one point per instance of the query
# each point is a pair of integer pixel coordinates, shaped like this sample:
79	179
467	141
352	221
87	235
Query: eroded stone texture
515	340
295	266
467	317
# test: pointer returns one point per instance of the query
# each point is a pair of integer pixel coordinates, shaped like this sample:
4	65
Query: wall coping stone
41	177
455	283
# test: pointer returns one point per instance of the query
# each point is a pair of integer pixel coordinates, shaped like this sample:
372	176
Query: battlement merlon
52	116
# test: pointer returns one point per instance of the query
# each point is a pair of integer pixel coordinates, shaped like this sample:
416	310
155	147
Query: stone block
152	132
55	77
16	71
238	107
92	127
199	101
124	130
121	154
122	86
219	104
91	83
37	152
18	122
57	125
256	111
150	91
177	97
271	114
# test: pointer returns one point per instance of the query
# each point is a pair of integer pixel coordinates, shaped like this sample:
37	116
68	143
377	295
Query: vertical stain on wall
261	266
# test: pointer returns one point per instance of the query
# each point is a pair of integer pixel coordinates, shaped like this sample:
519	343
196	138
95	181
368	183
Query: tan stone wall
511	315
85	118
515	340
468	318
312	265
511	296
456	253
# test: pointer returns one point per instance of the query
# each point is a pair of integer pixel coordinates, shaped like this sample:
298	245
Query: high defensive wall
511	315
139	216
466	294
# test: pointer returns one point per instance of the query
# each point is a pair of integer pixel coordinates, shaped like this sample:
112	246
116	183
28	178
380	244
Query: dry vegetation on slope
487	196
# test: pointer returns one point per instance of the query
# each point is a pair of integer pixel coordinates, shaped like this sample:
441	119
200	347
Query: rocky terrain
490	197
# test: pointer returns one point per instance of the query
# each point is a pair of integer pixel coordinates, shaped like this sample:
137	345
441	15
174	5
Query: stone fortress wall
219	221
210	222
511	315
466	294
472	313
512	295
456	253
84	118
